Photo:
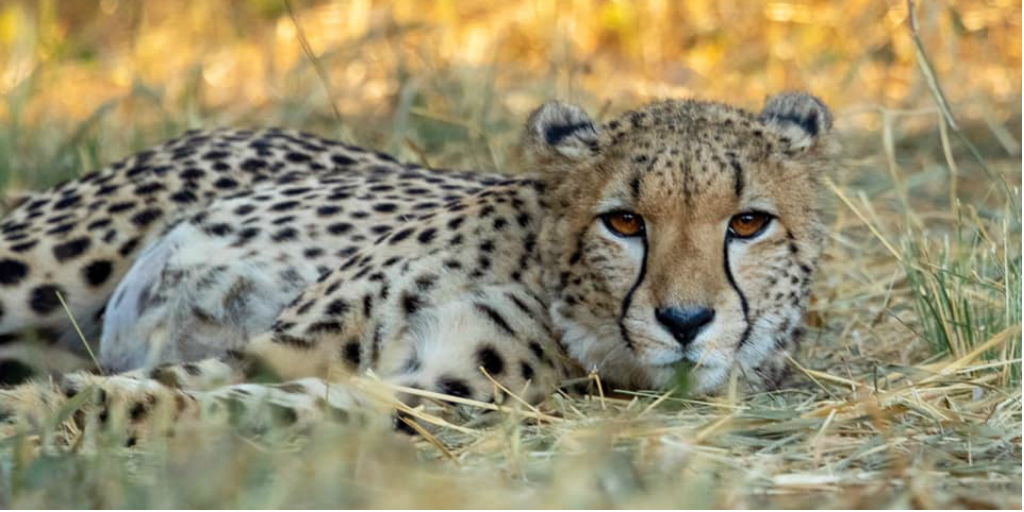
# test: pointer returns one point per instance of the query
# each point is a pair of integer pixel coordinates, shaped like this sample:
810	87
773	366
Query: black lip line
732	282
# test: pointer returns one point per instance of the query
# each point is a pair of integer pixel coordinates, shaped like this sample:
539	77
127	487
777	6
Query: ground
910	390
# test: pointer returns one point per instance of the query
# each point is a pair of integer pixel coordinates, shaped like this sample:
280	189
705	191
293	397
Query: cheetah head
682	233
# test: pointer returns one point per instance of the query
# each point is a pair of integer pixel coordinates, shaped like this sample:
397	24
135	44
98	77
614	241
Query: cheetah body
221	252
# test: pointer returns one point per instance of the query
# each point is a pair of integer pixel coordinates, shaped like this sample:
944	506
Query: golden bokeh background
69	58
913	342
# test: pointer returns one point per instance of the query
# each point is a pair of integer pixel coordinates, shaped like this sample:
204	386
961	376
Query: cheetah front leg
140	408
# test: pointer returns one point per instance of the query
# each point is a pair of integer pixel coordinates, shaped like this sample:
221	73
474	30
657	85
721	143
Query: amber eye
624	223
748	224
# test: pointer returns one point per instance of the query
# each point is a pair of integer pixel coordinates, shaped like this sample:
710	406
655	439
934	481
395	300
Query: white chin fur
599	349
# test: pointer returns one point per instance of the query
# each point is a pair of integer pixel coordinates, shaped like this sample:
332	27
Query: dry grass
910	389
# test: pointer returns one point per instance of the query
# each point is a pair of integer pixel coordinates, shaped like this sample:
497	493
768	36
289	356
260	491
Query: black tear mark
556	133
743	298
628	300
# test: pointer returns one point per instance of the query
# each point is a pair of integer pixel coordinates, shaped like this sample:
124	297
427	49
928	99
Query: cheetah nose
684	323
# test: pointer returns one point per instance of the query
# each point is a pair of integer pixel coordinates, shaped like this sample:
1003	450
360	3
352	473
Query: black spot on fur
128	247
351	352
324	327
328	210
59	230
523	219
219	229
337	307
244	209
342	160
225	183
137	413
367	305
285	234
401	235
427	235
297	157
411	303
455	223
526	370
22	247
339	228
295	341
454	387
737	176
149	188
147	216
284	206
99	224
44	299
97	272
215	155
634	185
491	360
120	207
67	202
296	191
496	318
425	282
247	234
537	350
192	173
12	271
14	372
71	249
253	164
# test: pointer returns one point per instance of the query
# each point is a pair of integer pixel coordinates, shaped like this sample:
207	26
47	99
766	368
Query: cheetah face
686	233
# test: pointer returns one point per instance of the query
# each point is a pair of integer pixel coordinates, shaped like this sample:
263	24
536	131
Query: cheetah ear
798	116
559	134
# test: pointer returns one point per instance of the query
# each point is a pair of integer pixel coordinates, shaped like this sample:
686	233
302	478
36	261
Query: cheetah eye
626	224
749	224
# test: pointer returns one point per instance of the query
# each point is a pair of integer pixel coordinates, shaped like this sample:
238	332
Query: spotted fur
229	257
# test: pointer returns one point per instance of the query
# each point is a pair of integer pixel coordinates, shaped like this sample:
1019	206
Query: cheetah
683	233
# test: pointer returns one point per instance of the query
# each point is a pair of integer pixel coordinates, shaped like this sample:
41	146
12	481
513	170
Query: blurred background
919	292
413	77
